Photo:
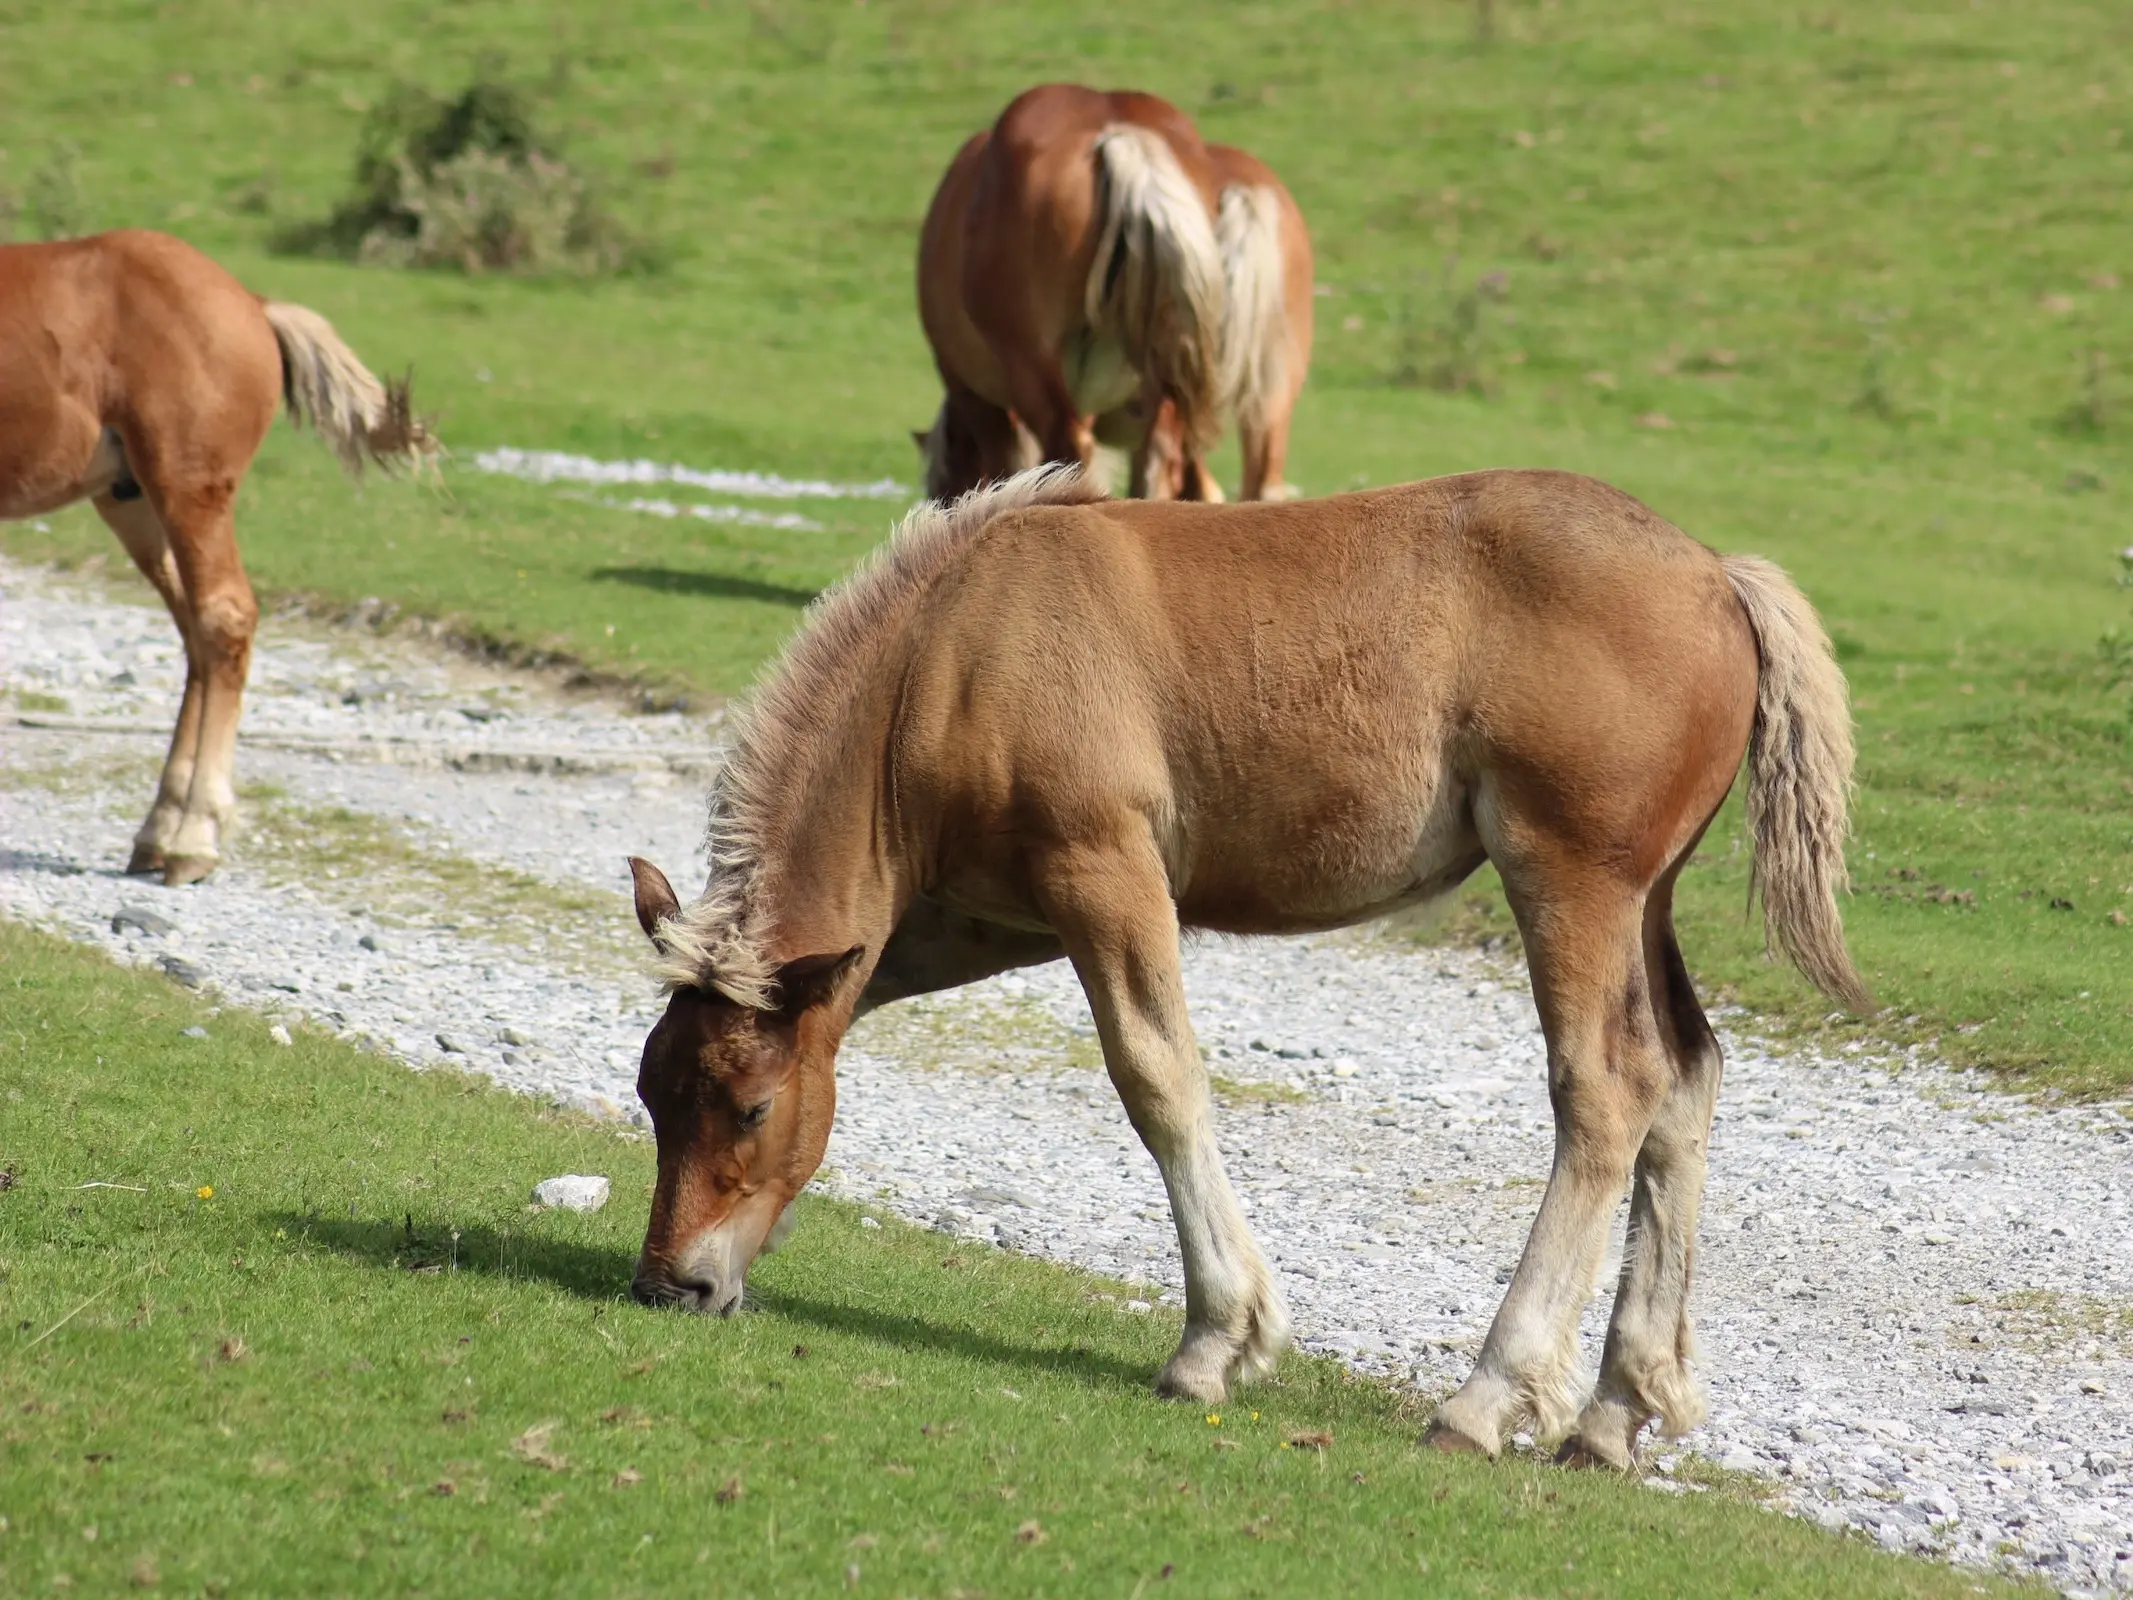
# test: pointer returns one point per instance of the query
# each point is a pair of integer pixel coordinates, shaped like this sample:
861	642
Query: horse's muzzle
705	1299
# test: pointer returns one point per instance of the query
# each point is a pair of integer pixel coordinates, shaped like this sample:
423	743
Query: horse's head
951	454
741	1098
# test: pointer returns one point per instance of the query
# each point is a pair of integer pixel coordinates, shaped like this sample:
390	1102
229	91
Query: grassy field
1838	286
260	1338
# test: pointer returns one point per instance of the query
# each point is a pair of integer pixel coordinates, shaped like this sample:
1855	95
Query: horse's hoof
1577	1452
181	870
1195	1390
1445	1439
147	858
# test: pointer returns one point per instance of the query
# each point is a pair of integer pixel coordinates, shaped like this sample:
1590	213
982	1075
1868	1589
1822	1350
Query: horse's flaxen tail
365	419
1255	333
1157	284
1799	780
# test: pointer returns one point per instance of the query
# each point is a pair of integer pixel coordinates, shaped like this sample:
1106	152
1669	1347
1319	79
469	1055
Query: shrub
54	207
467	183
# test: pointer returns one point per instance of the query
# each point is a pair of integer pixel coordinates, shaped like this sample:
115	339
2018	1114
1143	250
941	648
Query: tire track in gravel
1915	1298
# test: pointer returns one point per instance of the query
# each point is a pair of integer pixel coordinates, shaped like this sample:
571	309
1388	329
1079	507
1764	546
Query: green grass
361	1364
1860	261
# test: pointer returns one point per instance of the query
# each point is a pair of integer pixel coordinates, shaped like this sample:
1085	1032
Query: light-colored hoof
181	870
146	858
1605	1435
1182	1382
1448	1438
1211	1359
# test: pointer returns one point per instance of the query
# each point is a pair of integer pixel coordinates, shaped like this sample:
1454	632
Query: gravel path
1916	1298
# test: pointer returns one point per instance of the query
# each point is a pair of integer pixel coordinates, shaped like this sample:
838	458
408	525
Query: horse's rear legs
1607	1077
203	583
1645	1372
1112	909
1264	444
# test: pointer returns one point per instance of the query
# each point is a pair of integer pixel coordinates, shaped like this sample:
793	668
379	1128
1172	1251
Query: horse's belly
1338	865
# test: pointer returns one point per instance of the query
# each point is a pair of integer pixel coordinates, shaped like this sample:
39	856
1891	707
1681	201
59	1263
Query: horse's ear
655	899
809	980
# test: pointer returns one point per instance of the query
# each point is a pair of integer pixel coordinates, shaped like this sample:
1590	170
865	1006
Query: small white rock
279	1034
571	1192
868	1222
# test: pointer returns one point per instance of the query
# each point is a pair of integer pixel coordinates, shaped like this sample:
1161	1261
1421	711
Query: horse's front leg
1111	906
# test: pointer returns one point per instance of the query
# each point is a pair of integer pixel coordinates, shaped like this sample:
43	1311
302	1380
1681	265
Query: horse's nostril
703	1298
649	1291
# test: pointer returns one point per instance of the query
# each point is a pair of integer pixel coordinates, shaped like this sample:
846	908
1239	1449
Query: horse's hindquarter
55	317
1303	704
133	331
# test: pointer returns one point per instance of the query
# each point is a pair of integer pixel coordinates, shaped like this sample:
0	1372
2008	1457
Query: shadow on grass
955	1339
592	1272
707	585
595	1272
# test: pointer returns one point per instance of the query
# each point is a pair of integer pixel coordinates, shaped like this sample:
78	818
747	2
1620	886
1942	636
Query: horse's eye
752	1117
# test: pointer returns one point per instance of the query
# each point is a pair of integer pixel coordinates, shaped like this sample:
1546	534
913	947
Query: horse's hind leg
1645	1371
141	532
1264	443
203	547
1606	1079
1112	909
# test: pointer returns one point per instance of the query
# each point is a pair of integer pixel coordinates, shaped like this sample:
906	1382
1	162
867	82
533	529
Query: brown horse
138	375
1041	723
1089	272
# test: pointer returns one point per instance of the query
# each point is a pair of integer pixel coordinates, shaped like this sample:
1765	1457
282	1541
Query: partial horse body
1045	724
138	375
1091	272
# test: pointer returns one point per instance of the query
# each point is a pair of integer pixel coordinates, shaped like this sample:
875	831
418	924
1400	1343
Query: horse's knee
225	622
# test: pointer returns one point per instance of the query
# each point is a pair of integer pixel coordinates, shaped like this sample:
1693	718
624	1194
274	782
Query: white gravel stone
574	1191
1915	1299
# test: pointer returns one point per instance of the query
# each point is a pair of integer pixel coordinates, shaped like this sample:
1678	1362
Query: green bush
467	183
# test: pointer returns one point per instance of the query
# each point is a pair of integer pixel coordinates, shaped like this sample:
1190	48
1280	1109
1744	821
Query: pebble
280	1034
1912	1287
141	920
571	1192
196	1032
183	971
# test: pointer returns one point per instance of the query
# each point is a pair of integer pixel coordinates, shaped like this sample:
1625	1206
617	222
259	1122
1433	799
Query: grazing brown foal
1041	723
1089	271
138	375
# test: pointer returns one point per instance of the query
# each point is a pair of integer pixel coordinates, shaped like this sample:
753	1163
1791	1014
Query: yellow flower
1214	1420
206	1191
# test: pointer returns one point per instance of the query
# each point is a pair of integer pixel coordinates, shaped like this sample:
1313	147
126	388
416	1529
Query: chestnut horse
1089	272
1041	723
139	376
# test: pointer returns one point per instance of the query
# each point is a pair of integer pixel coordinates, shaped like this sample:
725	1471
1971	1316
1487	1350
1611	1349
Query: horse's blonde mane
794	718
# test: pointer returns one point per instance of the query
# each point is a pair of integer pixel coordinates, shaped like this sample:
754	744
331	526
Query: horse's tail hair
364	418
1255	334
1799	780
1157	282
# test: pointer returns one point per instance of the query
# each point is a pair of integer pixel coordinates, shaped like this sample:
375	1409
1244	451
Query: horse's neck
829	876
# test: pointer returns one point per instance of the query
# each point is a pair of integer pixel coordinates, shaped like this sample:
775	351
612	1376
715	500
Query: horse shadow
708	585
906	1332
602	1273
588	1271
